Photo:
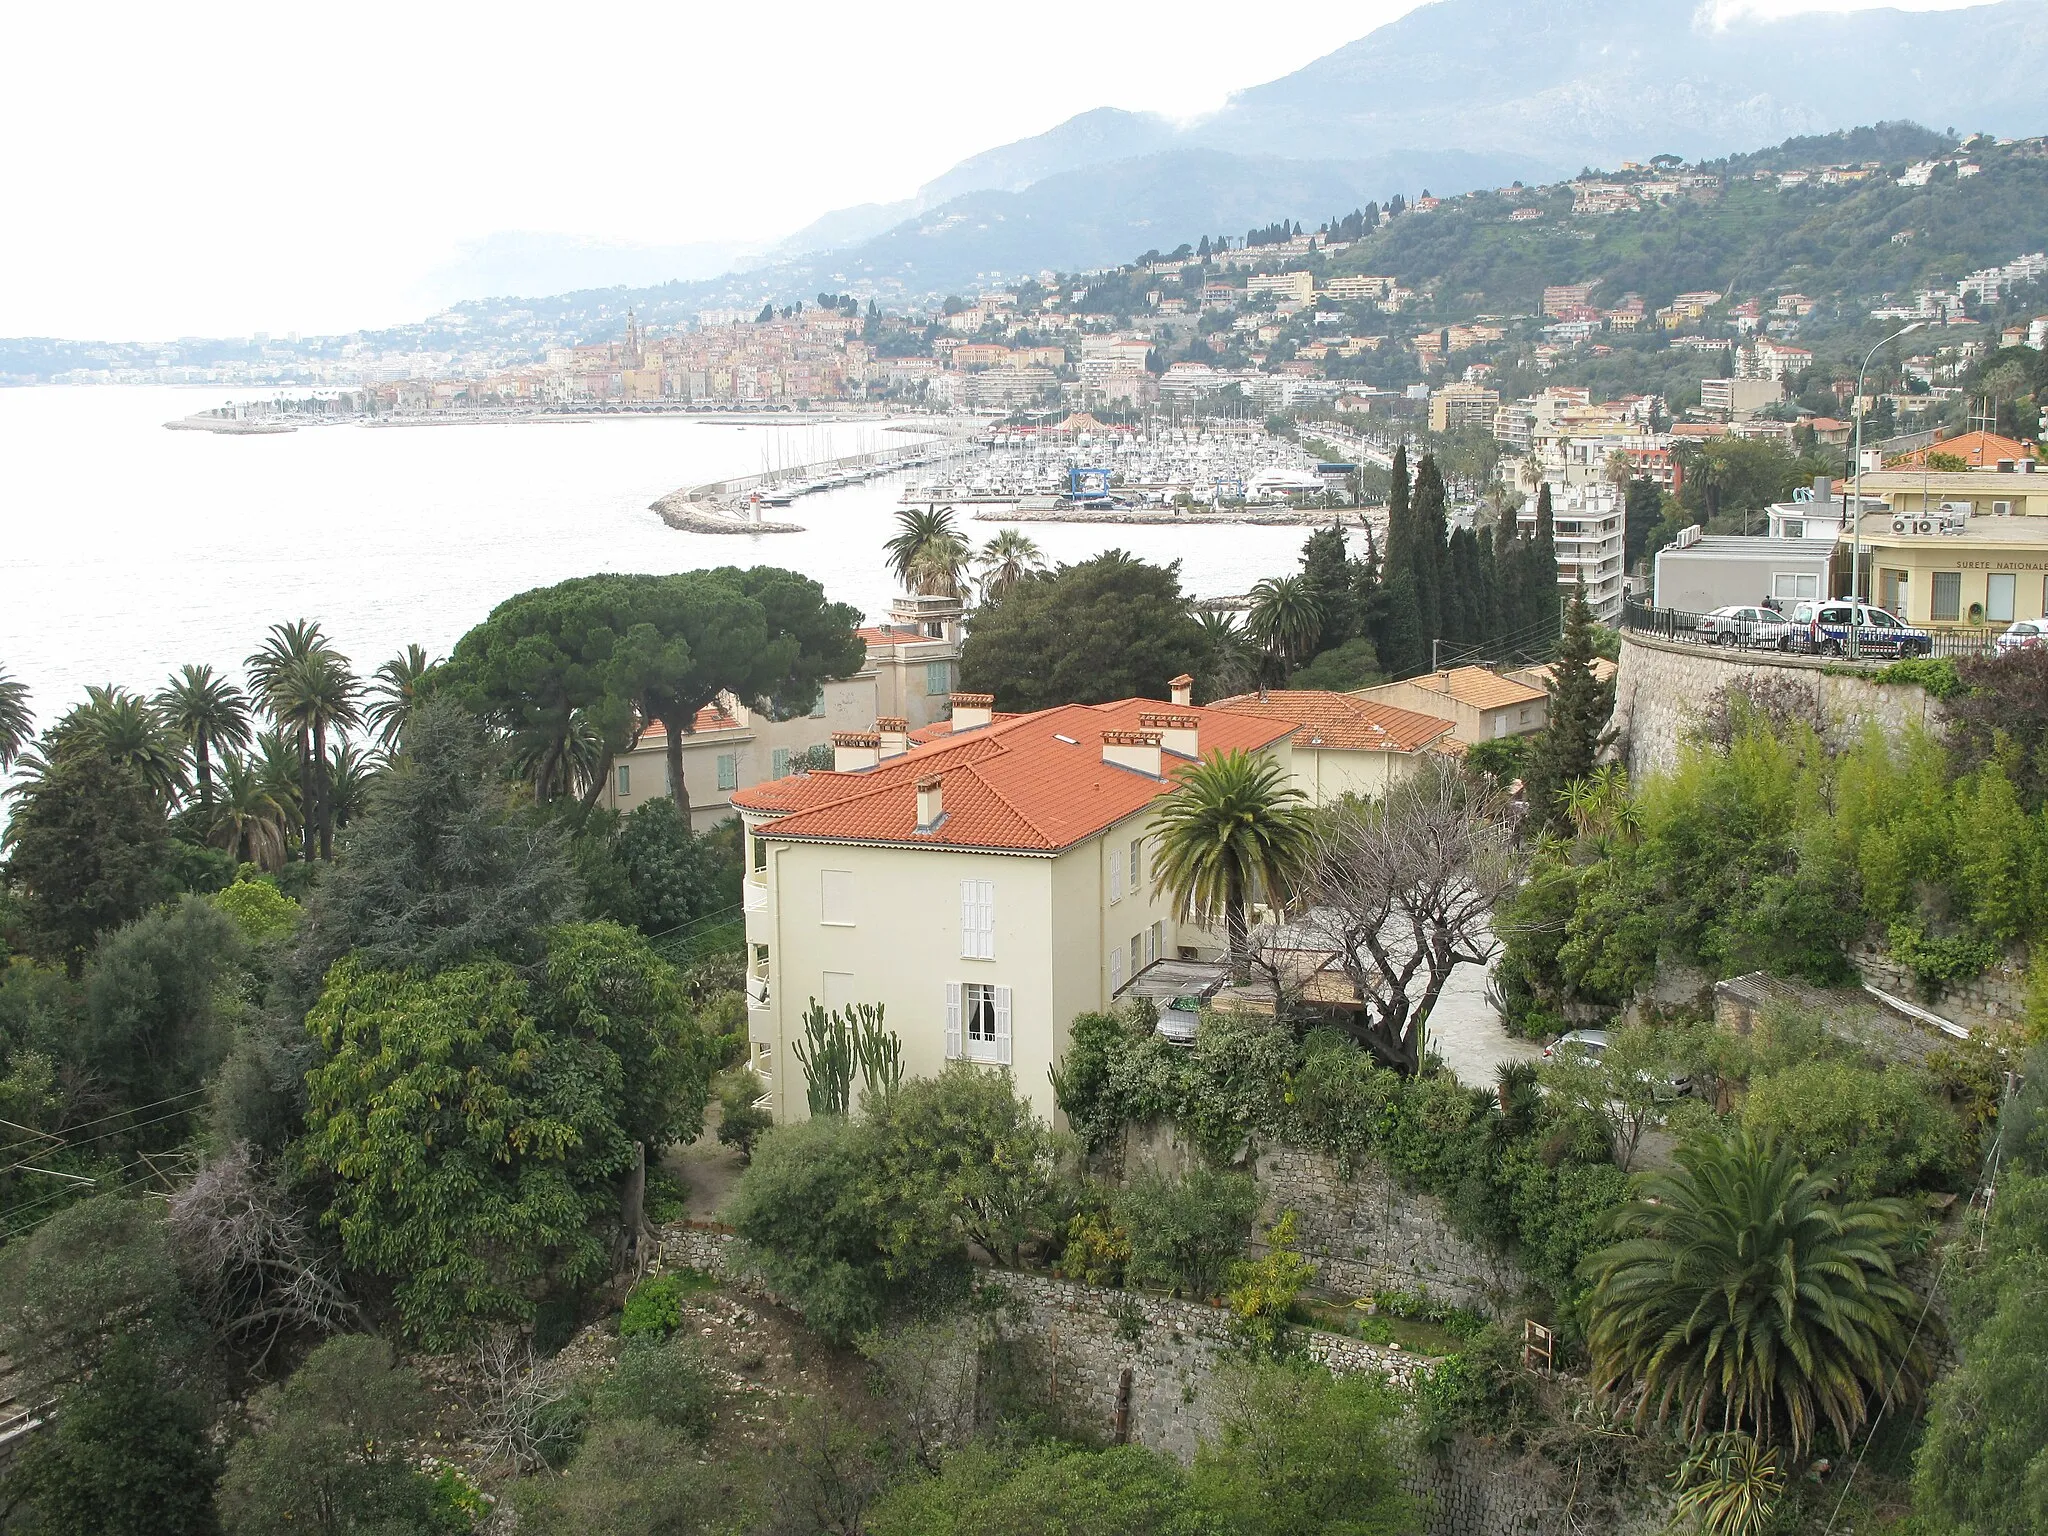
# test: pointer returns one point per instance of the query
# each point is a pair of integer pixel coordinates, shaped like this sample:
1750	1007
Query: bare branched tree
250	1256
1402	890
516	1424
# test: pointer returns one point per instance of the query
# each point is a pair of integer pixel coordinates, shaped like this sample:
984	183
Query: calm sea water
127	550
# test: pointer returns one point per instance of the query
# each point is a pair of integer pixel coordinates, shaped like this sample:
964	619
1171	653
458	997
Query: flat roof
1741	547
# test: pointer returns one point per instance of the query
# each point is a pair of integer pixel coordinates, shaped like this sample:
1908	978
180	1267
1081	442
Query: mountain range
1456	94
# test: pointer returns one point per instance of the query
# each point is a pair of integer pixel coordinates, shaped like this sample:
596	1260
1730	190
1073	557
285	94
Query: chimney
931	808
894	731
1823	490
855	750
1183	690
971	711
1138	750
1178	734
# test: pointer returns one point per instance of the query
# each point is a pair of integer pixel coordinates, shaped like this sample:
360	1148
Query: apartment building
907	676
1456	406
1958	547
1739	399
1271	288
983	887
1587	521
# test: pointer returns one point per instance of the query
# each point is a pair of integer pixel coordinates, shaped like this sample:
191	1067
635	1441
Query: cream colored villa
1346	745
984	886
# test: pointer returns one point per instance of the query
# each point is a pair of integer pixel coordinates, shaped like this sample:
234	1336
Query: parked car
1742	626
2026	635
1589	1043
1824	628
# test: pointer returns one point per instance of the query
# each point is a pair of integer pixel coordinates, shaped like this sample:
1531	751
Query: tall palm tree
1285	619
126	727
394	689
17	722
287	647
211	713
1230	666
306	685
1745	1296
247	820
1006	560
1230	827
281	772
928	554
350	772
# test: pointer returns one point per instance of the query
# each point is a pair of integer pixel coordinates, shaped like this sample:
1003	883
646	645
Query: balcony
754	893
757	989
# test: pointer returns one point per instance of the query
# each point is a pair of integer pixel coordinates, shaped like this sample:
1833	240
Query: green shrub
1480	1390
1185	1233
1936	674
663	1381
654	1307
263	912
741	1119
1263	1293
1938	964
1883	1132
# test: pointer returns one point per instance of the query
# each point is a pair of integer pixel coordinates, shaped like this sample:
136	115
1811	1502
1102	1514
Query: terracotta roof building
1345	744
1481	704
983	885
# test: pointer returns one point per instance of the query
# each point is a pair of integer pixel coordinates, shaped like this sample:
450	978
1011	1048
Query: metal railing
1676	624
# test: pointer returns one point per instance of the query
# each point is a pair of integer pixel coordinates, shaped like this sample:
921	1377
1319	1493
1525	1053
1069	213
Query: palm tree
1006	560
288	646
1619	470
247	820
17	722
126	727
306	685
1230	665
1285	619
350	772
393	691
928	554
281	772
1230	826
211	713
1744	1296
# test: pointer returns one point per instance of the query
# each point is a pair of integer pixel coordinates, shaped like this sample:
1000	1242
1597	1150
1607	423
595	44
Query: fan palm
247	820
17	723
928	554
126	727
1006	560
281	772
1744	1296
211	713
1285	618
393	691
1230	826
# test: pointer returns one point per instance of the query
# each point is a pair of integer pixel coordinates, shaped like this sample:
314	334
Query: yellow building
1481	705
1344	745
983	887
1962	547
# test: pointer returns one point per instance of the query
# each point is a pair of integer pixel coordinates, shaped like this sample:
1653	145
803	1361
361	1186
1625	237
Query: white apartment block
1587	522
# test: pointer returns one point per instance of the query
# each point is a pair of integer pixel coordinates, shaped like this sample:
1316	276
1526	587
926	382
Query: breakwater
741	504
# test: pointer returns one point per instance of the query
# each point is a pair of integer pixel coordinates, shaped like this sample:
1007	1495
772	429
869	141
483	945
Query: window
1155	942
1136	964
838	990
835	897
625	780
938	677
978	919
977	1022
1790	586
1795	527
1524	720
818	709
1892	587
1136	842
778	763
1116	969
2000	588
760	852
728	770
1946	600
1500	724
1116	874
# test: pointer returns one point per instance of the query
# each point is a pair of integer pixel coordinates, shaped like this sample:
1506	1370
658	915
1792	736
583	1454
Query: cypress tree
1400	528
1569	745
1402	647
1430	519
1326	570
1540	616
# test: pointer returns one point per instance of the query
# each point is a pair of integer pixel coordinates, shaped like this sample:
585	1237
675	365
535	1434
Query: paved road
1466	1032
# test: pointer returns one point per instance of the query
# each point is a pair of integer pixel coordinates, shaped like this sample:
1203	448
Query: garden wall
1080	1340
1662	685
1364	1233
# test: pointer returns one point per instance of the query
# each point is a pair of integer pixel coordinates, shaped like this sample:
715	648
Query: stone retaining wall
1663	685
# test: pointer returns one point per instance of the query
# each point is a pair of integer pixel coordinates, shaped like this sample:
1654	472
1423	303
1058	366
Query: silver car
1741	625
2026	635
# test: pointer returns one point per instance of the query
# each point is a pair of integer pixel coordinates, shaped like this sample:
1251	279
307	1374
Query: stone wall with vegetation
1663	687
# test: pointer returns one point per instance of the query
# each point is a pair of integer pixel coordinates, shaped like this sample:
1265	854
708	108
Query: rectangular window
778	763
760	853
1500	724
1946	599
1116	874
1137	965
978	919
1894	586
1795	528
2000	588
1790	586
835	897
728	770
977	1022
938	677
1135	844
625	780
1155	942
818	709
1116	969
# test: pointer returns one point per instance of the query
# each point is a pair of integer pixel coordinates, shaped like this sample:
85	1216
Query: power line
119	1130
103	1119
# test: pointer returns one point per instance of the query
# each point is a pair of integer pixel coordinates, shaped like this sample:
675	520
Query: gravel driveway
1466	1032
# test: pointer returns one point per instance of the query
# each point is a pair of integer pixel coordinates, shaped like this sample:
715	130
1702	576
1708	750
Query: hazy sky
178	170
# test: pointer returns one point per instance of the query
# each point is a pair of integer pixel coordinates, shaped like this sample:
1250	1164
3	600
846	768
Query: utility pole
1855	507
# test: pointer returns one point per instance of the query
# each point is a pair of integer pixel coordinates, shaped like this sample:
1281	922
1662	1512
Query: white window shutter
969	924
1116	874
1116	967
1003	1025
953	1021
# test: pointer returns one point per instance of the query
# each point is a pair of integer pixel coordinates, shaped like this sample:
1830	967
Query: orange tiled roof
1540	676
1979	450
1478	687
1033	784
1341	721
709	718
940	729
892	634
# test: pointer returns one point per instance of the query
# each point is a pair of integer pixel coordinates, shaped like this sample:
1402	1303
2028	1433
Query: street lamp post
1855	507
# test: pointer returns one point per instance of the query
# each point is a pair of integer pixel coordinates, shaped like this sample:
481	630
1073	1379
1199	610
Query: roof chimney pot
1183	690
931	806
1136	750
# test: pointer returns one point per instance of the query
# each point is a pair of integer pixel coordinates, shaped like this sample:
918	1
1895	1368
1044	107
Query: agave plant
1730	1485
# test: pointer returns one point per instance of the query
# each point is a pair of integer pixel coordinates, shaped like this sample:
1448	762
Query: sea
127	550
